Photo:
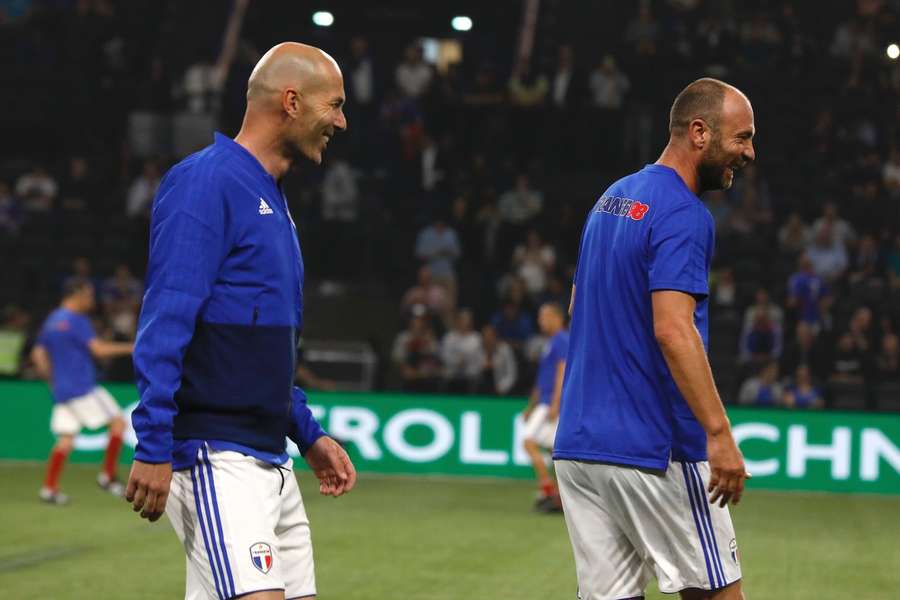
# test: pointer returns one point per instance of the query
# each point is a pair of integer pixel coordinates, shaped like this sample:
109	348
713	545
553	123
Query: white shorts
628	525
95	409
538	429
243	527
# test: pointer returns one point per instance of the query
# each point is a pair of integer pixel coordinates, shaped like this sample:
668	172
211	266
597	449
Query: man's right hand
728	472
148	488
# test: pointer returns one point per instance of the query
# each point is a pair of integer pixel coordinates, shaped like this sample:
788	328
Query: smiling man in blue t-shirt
642	433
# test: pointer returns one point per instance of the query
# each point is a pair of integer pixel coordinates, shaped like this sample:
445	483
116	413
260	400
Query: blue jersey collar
223	141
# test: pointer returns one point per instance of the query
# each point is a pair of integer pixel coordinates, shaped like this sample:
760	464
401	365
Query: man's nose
750	153
341	122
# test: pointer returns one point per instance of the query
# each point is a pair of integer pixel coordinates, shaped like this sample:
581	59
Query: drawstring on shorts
281	471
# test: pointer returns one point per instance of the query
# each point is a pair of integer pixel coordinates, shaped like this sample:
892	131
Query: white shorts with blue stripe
243	527
629	525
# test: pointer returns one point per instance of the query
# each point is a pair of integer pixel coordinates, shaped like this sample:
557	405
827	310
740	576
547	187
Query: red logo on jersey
638	210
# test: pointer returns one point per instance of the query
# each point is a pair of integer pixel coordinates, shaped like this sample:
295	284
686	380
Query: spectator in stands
563	84
642	33
79	189
438	246
806	292
37	190
499	370
887	363
761	335
842	231
533	261
486	91
801	393
521	204
340	215
805	349
413	76
14	342
121	297
724	289
416	354
794	236
462	355
860	327
866	264
513	325
608	87
848	362
11	215
429	293
142	190
762	389
526	88
828	255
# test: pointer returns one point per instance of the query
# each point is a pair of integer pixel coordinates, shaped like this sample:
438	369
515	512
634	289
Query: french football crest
261	555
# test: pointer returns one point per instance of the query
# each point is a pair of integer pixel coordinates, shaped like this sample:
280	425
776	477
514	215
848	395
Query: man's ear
290	102
699	133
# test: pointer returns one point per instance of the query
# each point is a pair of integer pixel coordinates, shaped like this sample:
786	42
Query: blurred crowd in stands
461	186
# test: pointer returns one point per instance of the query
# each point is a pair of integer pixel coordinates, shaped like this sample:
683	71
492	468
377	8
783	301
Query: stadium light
461	23
323	18
893	51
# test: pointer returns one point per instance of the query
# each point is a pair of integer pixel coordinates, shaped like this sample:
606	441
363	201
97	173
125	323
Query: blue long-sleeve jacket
216	344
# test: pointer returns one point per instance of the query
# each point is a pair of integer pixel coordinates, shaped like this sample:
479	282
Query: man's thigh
607	564
226	511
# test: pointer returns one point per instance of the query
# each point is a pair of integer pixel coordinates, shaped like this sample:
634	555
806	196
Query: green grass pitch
429	539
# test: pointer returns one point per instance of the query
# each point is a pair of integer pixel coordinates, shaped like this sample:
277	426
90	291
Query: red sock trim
112	455
54	469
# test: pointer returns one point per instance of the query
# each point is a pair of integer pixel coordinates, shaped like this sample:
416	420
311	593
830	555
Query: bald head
295	100
290	65
705	99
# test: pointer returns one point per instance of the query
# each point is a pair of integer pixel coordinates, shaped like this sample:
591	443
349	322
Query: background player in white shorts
643	435
216	348
542	413
63	354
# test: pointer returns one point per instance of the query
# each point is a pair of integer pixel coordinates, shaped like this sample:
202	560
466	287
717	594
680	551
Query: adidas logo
264	209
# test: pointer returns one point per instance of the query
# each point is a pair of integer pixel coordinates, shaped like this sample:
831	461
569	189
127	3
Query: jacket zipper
255	315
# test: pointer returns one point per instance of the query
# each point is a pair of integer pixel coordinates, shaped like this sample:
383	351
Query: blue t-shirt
555	351
65	335
620	403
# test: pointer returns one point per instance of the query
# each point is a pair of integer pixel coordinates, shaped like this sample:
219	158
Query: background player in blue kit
542	413
64	354
643	434
216	345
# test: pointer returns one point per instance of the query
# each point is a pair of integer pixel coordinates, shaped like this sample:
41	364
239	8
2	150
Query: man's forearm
687	361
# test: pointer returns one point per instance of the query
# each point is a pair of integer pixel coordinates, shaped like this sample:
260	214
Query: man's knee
65	443
117	426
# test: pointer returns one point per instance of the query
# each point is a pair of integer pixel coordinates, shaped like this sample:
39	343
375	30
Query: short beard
711	170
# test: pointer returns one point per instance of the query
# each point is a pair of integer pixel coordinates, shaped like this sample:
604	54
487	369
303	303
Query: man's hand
331	466
148	488
727	468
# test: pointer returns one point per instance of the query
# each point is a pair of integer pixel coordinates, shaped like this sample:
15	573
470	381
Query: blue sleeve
305	430
680	247
187	246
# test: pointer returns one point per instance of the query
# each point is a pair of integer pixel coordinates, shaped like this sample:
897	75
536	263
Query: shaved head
295	99
290	64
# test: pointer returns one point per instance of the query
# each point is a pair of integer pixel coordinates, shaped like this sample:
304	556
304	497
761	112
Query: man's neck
71	306
266	148
675	157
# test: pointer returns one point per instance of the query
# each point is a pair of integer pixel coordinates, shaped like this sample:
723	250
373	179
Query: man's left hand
332	467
